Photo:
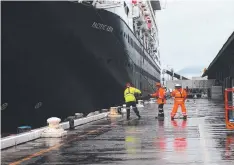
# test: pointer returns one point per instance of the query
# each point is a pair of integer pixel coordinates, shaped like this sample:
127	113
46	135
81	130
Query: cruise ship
67	57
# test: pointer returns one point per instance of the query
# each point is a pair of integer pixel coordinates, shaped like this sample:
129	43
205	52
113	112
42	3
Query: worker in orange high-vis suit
180	96
160	94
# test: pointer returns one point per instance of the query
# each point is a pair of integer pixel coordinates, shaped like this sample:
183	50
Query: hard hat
178	86
158	84
128	84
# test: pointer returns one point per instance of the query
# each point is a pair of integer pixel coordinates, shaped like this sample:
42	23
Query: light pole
163	79
169	67
172	71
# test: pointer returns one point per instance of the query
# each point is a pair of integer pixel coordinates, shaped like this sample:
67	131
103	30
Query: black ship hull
60	58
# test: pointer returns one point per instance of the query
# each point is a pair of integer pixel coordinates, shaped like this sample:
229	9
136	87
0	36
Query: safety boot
160	115
172	118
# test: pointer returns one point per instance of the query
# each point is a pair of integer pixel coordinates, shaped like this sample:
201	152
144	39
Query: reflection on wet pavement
202	139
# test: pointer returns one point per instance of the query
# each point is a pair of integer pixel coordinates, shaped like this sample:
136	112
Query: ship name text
102	27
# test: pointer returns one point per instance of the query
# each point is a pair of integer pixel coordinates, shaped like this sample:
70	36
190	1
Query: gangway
173	74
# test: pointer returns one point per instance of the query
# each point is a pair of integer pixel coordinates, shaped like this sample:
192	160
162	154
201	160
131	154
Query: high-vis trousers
175	108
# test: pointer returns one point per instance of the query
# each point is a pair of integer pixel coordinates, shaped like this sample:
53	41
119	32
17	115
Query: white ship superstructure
139	15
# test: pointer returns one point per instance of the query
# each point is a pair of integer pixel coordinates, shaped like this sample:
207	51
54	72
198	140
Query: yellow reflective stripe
129	94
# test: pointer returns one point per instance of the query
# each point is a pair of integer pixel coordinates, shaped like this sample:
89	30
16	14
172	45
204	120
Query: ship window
128	38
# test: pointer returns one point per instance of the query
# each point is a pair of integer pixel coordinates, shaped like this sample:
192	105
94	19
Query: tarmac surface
201	140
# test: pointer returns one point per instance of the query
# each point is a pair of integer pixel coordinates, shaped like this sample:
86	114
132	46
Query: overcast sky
191	32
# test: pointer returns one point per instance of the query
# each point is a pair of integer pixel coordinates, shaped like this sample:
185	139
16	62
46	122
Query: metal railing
229	109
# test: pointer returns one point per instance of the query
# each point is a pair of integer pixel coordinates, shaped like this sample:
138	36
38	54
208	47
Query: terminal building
221	69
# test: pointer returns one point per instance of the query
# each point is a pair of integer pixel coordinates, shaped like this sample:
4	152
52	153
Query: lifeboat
148	21
134	2
149	25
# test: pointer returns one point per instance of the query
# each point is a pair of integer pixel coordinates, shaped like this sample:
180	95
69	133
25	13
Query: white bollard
54	130
53	122
124	110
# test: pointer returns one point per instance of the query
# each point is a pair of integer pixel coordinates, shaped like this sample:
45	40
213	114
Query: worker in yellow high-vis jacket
130	99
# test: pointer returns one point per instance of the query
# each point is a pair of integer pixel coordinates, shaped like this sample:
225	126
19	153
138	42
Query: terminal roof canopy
224	59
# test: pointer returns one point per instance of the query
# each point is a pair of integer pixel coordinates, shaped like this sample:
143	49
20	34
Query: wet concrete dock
202	139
